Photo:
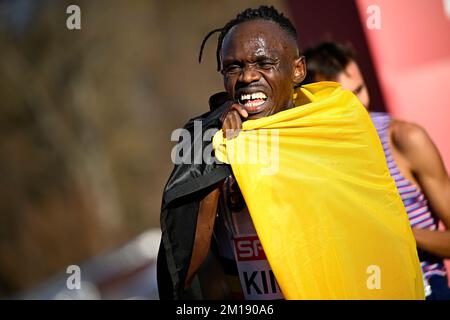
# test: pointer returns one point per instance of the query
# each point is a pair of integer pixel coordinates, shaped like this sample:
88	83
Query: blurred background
86	117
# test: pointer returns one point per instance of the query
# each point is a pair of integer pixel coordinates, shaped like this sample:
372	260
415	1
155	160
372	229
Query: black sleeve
187	185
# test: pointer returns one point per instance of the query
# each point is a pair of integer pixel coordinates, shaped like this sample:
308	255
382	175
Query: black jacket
187	185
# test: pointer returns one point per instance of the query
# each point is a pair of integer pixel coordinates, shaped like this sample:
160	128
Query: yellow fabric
325	208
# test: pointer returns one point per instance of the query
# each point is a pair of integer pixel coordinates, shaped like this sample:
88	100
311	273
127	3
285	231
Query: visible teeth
254	104
253	96
258	95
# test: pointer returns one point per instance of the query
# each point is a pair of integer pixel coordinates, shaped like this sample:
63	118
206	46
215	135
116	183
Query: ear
299	70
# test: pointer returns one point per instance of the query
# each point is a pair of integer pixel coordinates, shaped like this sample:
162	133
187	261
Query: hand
232	120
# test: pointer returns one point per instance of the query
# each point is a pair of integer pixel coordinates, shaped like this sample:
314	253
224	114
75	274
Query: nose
249	75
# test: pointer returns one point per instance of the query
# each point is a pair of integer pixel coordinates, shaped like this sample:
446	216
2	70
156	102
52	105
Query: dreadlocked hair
262	13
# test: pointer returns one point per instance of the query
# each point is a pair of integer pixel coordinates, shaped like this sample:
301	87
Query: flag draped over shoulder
324	206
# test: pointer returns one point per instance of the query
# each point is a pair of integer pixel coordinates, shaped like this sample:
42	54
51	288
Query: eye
231	69
358	90
266	65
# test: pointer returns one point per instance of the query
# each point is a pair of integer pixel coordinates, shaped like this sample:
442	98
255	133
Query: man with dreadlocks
257	54
259	58
263	42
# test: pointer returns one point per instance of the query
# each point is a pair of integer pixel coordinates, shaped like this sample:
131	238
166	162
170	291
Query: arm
427	166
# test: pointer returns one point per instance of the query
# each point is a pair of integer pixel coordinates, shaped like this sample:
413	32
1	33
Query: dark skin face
261	66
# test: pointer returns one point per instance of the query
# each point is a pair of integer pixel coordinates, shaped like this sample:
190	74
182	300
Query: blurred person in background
413	160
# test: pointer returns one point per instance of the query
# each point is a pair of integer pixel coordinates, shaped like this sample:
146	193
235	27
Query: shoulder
417	148
409	137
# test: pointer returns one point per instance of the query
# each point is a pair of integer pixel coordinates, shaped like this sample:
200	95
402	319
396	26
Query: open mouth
252	101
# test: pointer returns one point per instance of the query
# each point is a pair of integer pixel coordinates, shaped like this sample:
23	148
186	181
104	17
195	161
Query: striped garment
415	202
